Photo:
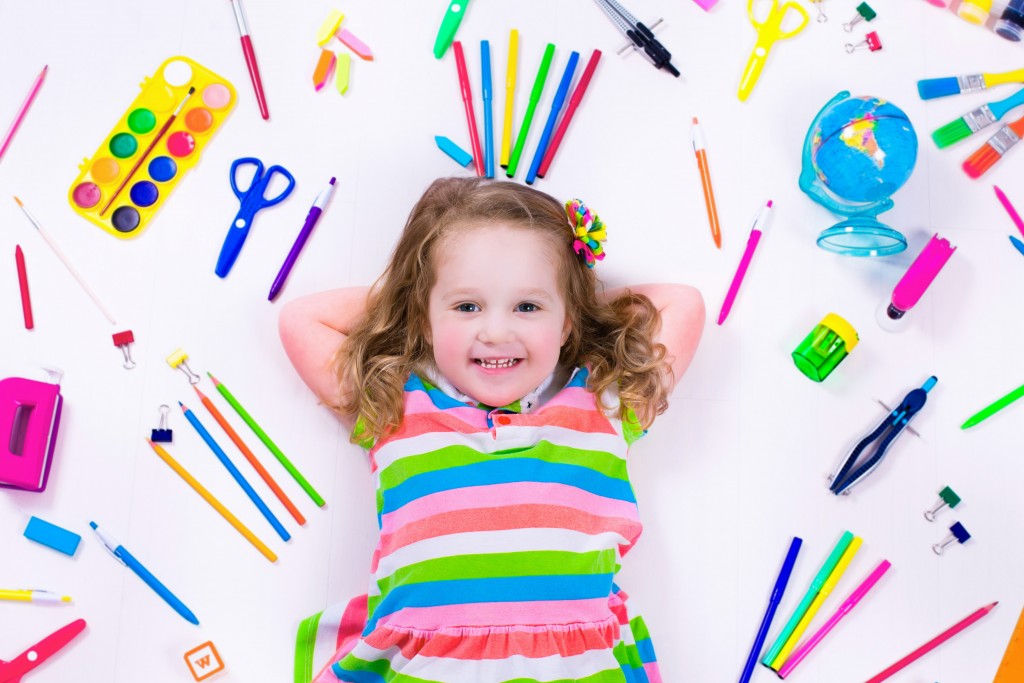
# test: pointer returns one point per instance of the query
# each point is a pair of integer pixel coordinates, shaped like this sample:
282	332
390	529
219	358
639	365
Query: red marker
250	59
467	100
26	303
574	101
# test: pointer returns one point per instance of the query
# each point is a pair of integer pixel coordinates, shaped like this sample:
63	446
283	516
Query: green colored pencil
994	407
281	457
538	88
812	591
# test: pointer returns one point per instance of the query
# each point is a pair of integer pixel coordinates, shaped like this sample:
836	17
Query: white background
727	476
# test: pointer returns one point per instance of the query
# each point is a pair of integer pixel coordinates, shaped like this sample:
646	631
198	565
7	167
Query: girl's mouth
496	363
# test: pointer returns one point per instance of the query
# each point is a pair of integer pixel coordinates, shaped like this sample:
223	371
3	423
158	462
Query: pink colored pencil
21	112
933	643
1005	201
467	99
574	101
844	609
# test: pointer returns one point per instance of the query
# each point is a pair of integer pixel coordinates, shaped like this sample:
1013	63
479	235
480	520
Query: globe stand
862	236
860	233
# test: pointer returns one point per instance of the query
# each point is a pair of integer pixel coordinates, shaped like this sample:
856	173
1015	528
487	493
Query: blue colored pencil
485	70
773	604
556	107
226	461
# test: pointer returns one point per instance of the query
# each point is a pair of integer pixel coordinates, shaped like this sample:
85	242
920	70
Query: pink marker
760	225
843	610
917	279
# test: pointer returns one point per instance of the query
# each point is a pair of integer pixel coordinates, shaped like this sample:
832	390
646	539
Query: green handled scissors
769	31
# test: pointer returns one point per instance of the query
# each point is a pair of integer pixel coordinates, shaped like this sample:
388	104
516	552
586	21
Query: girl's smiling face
496	311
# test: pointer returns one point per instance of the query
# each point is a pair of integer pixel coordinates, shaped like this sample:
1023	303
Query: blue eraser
461	156
53	536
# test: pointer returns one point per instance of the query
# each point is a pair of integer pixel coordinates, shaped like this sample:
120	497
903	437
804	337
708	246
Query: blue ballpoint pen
124	557
773	604
226	461
485	70
556	107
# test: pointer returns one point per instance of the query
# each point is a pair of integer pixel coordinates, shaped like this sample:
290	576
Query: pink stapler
29	417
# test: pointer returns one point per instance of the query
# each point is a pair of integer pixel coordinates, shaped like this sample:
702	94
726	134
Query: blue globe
863	149
857	153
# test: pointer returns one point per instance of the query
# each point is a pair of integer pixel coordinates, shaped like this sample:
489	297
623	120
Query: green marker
281	457
449	25
819	580
538	88
988	410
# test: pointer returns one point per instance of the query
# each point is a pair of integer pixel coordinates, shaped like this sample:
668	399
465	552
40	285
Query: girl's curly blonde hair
615	339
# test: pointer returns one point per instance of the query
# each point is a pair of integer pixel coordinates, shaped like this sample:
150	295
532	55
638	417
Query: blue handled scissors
253	199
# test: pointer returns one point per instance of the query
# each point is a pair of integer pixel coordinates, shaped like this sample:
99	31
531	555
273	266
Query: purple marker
311	218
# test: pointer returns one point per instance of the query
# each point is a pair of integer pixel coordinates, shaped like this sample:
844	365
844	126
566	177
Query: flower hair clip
588	231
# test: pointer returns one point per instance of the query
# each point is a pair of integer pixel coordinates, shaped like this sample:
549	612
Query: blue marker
1018	245
126	558
485	70
773	604
556	106
226	461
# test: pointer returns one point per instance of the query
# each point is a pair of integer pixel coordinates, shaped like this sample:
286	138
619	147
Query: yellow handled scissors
769	31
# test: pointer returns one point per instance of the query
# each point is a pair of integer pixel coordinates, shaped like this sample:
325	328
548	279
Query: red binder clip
871	41
121	341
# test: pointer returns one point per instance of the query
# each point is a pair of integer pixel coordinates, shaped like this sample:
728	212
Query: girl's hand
312	330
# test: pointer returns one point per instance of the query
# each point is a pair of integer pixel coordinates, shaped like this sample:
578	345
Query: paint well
125	219
216	96
123	145
141	121
159	98
181	144
177	73
144	193
86	195
105	170
199	120
162	169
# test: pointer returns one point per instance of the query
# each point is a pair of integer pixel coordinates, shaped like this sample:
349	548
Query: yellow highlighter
769	31
33	596
819	600
510	97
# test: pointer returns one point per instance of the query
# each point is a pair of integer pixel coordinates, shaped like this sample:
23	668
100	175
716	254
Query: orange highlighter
697	138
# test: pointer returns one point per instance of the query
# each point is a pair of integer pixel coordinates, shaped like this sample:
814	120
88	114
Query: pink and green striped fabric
500	535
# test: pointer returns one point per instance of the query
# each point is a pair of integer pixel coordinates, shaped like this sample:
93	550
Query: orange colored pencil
697	138
251	458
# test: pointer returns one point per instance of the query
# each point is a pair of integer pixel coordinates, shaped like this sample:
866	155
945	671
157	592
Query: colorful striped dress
500	535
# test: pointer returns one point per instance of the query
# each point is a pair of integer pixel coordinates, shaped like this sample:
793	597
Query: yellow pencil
217	505
510	96
819	599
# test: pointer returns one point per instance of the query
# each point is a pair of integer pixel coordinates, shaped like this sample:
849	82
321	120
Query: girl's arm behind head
312	329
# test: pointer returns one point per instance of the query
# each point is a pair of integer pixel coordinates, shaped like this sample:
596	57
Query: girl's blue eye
467	308
527	308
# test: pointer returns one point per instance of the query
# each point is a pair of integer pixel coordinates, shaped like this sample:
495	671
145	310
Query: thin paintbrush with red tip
993	150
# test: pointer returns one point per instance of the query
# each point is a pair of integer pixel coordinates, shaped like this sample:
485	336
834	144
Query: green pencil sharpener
825	347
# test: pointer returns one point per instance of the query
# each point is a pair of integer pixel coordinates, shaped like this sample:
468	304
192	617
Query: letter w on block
203	661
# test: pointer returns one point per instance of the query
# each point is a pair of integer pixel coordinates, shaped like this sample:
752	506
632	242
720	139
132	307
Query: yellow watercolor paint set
156	142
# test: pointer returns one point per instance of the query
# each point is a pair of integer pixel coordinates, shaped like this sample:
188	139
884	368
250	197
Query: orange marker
697	137
251	458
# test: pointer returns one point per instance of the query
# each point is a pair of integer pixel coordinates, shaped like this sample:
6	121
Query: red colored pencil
933	643
26	302
250	59
251	458
574	101
467	99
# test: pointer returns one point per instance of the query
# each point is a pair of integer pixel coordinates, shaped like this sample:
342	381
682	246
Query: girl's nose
496	329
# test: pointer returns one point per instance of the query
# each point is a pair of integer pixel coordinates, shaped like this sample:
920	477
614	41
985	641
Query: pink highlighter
915	282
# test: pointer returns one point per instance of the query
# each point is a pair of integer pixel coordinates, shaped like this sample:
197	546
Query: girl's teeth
494	364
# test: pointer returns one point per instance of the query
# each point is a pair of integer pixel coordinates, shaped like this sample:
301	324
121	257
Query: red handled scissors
12	671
